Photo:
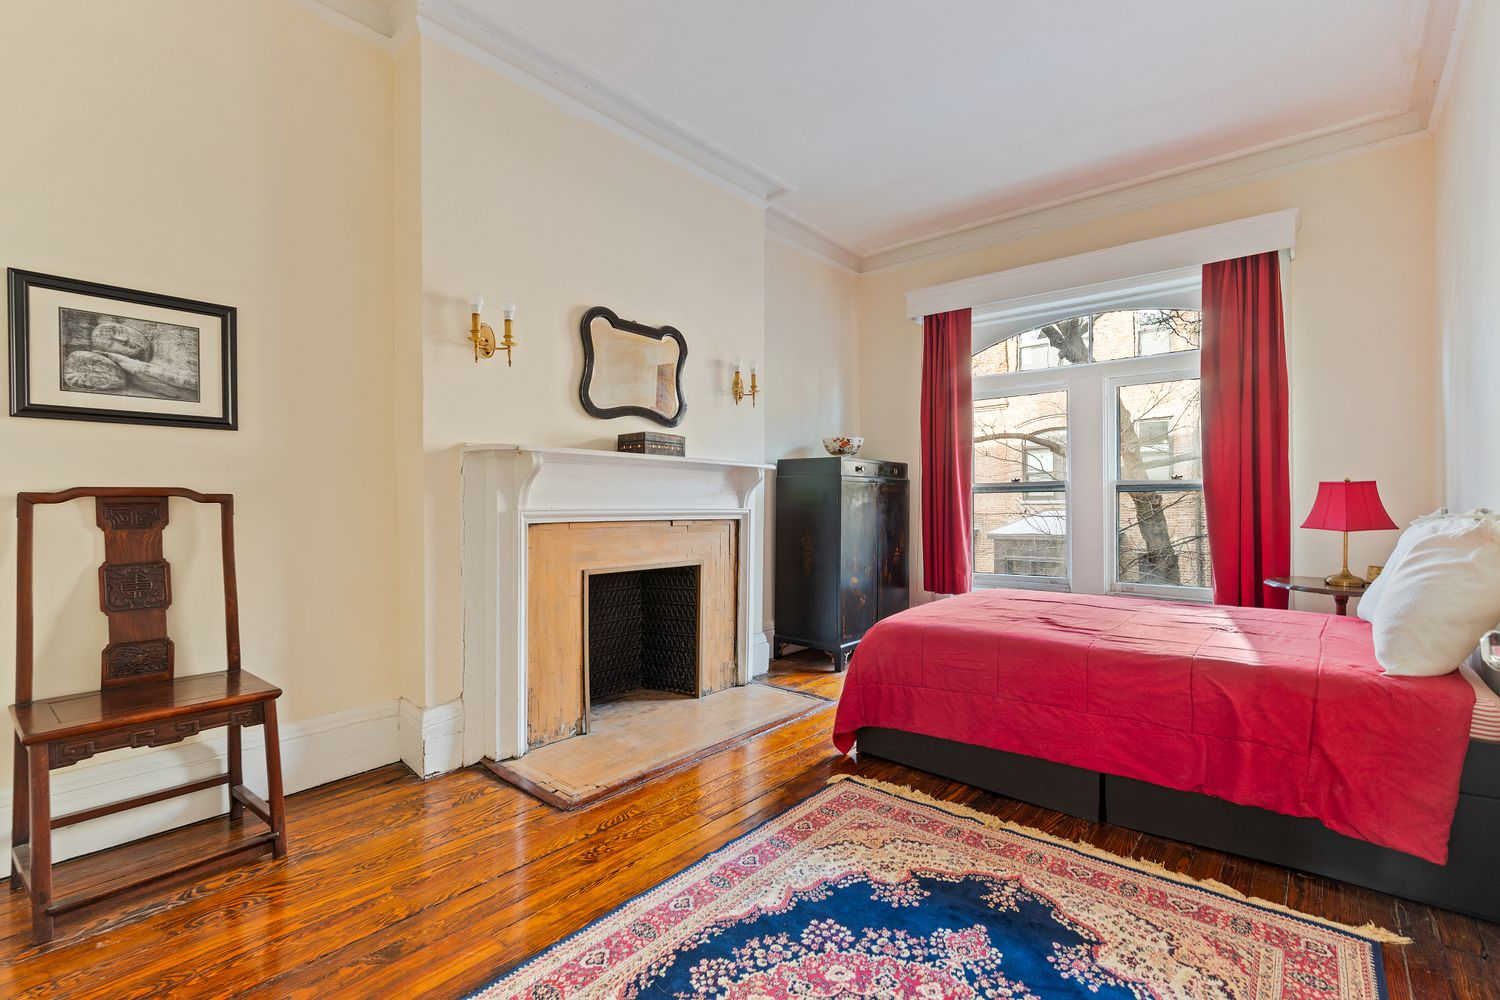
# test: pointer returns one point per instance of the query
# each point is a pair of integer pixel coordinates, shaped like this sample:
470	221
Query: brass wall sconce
482	335
737	388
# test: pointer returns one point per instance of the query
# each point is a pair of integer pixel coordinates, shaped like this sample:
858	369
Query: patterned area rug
869	890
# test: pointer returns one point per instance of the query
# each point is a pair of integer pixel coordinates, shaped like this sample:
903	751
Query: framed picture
84	351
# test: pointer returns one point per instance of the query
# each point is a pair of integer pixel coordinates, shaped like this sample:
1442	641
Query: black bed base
1468	883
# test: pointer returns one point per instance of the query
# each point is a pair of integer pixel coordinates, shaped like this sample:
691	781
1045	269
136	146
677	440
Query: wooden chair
140	701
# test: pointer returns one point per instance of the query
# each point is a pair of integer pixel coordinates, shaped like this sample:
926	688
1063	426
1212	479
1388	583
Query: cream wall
1468	249
236	152
811	367
1363	349
523	200
408	393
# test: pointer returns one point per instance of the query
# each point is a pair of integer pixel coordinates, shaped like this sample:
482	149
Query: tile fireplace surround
507	489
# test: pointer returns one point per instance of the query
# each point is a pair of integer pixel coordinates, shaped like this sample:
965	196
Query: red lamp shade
1349	506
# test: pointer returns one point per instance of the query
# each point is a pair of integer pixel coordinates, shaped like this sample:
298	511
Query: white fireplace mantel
508	487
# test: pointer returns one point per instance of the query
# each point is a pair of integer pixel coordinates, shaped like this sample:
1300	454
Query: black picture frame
20	283
585	329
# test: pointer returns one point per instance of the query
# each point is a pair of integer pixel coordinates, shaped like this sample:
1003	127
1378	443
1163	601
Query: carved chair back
135	581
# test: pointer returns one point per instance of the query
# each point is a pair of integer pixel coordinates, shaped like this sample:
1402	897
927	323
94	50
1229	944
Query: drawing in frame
85	351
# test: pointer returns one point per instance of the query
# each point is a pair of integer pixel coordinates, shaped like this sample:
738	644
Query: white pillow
1368	607
1440	599
1369	601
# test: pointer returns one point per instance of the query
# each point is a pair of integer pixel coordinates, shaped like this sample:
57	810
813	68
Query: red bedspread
1284	710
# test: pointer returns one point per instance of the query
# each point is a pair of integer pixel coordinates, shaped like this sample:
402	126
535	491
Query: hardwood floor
397	887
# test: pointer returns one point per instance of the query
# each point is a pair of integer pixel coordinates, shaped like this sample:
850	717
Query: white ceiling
878	123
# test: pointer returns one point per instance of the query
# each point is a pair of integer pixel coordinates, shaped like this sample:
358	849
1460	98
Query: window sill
994	581
1186	595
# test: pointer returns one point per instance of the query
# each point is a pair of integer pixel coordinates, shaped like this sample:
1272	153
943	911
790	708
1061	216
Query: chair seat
122	707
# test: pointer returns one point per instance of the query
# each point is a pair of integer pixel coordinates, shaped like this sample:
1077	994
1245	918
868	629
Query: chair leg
275	798
20	809
41	844
236	772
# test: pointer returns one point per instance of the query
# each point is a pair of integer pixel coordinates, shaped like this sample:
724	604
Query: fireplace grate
643	632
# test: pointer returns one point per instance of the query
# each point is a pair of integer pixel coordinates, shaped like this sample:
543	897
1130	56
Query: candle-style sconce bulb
737	385
482	335
507	342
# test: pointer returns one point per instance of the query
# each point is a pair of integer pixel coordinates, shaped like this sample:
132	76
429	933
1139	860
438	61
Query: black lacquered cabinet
841	544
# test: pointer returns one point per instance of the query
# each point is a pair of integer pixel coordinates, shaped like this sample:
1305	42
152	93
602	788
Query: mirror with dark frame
630	369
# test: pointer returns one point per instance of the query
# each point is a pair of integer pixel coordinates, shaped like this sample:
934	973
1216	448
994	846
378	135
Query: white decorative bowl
843	445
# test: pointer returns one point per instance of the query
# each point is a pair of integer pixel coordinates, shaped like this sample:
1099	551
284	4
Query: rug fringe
1369	931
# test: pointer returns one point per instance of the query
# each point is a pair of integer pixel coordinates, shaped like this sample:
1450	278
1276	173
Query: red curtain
1246	473
947	452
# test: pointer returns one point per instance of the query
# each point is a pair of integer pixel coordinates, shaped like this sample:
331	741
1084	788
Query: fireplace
540	524
642	632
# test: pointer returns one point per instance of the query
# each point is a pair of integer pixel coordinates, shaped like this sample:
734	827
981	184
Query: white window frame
1183	365
1092	554
1030	383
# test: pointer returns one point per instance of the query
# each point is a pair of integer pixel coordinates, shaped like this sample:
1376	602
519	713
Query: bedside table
1315	585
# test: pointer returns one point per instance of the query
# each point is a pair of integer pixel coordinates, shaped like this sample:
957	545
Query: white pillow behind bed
1442	596
1369	601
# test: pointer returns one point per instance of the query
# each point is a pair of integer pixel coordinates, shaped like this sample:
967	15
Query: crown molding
1450	62
1203	178
555	74
512	51
376	21
1170	186
784	227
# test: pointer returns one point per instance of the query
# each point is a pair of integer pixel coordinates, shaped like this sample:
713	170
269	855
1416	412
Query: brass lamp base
1345	580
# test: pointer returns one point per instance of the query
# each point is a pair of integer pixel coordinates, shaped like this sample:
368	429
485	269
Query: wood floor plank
1426	958
1490	934
400	887
1459	933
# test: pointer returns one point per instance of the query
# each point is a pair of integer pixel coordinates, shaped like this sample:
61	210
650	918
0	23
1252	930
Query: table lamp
1348	506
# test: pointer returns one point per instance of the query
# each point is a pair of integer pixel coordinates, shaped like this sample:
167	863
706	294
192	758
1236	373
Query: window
1034	350
1020	486
1087	440
1161	538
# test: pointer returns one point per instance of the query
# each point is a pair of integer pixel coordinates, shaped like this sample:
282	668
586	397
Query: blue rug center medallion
929	936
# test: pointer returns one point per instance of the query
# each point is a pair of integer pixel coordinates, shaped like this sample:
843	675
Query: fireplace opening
642	632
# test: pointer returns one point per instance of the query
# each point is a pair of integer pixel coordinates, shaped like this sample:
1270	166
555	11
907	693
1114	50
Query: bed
1269	734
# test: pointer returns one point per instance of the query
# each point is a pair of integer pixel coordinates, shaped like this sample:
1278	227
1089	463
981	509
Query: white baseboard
313	752
432	739
760	652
